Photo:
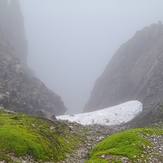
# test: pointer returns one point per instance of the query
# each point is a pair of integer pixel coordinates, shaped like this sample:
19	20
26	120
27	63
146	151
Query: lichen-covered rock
133	73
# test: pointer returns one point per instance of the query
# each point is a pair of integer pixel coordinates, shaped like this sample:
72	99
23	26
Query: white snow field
109	116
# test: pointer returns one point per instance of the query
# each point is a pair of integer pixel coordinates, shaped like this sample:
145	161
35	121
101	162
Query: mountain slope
19	90
133	73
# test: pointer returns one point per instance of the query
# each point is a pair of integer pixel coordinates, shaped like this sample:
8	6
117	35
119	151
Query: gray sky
70	42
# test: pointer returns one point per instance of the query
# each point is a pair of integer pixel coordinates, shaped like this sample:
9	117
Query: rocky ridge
133	73
19	89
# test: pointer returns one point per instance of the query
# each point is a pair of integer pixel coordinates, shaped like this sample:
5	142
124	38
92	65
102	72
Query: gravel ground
97	133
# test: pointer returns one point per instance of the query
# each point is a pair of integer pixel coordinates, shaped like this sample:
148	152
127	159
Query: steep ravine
135	72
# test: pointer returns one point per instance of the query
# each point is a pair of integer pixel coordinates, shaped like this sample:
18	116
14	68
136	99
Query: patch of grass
43	139
128	143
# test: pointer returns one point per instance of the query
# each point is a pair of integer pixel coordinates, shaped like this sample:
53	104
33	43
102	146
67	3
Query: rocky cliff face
12	28
134	72
20	91
16	25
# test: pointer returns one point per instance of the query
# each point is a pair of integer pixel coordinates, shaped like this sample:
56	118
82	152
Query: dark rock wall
4	23
20	91
12	30
134	72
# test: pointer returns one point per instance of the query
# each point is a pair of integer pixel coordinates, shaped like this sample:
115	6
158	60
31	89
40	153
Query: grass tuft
128	144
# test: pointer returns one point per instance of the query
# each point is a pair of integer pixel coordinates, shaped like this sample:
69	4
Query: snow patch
109	116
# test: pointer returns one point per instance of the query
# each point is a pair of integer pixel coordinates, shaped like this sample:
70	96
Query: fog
70	42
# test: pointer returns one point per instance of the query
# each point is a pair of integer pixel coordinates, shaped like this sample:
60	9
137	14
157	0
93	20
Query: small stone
139	161
102	156
142	155
101	138
7	93
71	128
52	127
24	161
148	147
89	145
33	125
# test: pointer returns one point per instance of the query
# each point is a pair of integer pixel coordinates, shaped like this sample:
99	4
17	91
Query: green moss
128	143
23	134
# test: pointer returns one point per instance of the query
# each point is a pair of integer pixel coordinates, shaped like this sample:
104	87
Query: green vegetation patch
129	144
43	139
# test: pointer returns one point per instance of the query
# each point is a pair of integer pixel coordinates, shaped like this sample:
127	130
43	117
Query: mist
70	42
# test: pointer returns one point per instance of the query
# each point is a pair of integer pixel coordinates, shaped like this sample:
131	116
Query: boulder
46	115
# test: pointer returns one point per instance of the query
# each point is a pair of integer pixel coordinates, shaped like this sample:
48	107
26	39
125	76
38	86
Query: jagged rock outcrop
133	73
20	91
